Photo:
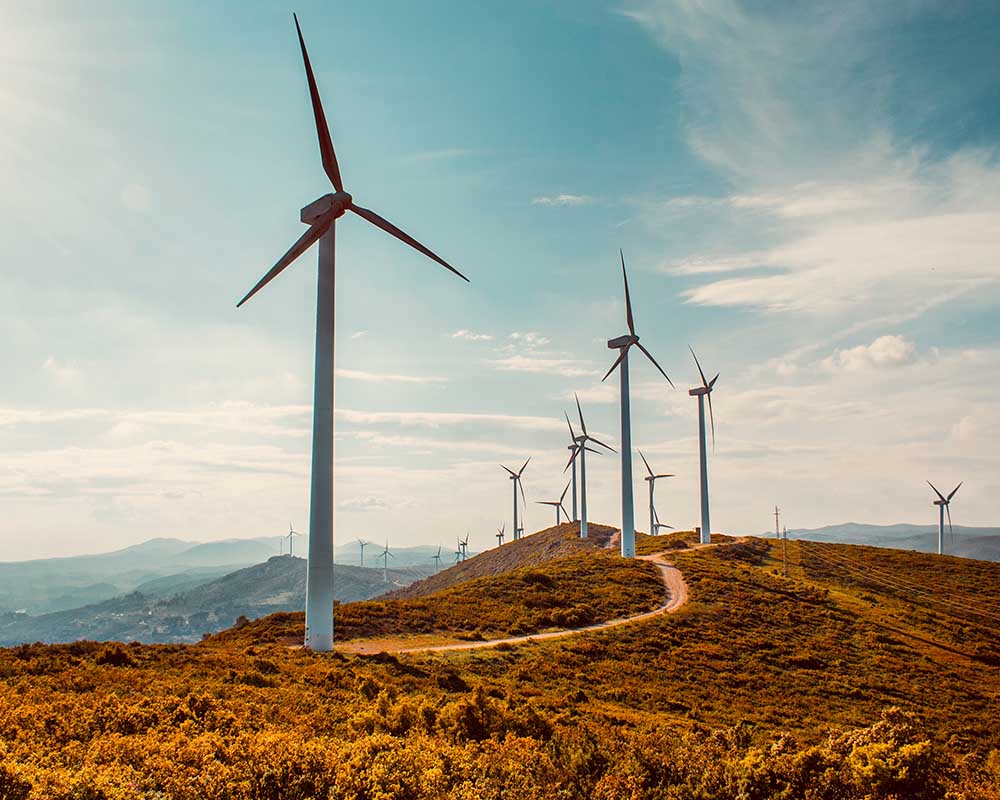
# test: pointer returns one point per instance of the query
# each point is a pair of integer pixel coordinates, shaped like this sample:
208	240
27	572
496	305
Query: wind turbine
657	524
573	448
321	216
500	534
363	545
623	344
701	392
516	478
581	451
464	544
385	555
437	559
458	552
557	504
777	532
289	536
652	478
944	506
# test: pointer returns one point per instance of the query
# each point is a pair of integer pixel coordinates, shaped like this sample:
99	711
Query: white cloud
884	352
366	503
381	377
568	368
472	336
563	200
359	334
529	338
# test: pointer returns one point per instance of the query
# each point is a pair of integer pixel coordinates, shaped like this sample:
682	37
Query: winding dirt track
676	597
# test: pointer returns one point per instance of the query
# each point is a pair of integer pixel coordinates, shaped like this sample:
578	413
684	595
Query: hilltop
863	673
208	606
967	542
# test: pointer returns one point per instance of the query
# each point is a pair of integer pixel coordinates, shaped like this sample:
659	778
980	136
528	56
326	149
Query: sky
808	195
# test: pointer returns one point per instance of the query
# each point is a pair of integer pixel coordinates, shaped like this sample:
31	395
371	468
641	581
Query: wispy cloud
382	377
365	503
566	367
562	200
472	336
885	352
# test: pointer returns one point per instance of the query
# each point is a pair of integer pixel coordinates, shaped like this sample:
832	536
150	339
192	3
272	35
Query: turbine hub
622	341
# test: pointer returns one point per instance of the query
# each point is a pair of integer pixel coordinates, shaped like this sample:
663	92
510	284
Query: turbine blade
955	490
388	227
512	473
592	450
711	383
572	458
618	361
650	357
648	468
598	441
700	372
628	300
937	492
711	418
521	487
579	411
522	468
564	511
563	495
322	130
665	475
570	424
947	509
306	240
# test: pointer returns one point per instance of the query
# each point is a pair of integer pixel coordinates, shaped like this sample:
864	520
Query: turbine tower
652	479
573	452
385	555
321	216
363	545
501	532
464	545
701	392
777	531
581	451
516	478
436	558
557	504
624	344
944	506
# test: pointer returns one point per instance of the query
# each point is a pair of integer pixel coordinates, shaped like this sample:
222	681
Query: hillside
833	683
545	545
206	607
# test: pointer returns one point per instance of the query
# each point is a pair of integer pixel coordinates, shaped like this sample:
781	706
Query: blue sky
809	197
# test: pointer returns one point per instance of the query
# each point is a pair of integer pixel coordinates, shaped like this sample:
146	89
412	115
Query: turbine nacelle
338	203
622	341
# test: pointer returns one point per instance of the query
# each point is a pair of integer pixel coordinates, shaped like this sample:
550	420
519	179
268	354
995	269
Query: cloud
472	336
379	377
529	338
62	373
563	200
359	334
568	368
366	503
436	419
884	352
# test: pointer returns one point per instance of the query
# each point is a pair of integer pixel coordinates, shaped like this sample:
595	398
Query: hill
980	543
545	545
863	673
206	607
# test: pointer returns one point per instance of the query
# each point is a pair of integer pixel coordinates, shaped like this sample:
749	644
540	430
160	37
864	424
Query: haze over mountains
967	542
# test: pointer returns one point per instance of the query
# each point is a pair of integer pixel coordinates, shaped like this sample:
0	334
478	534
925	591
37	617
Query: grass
823	684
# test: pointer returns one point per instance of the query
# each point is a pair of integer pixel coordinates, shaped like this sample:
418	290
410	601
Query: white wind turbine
289	536
701	392
624	344
652	479
385	555
581	451
363	544
321	216
501	532
657	524
516	478
944	507
557	504
436	558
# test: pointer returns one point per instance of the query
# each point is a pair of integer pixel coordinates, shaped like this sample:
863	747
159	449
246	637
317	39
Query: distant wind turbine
289	536
385	555
363	544
437	559
458	551
557	504
581	451
500	534
516	478
652	479
464	544
944	507
777	531
624	344
701	392
321	216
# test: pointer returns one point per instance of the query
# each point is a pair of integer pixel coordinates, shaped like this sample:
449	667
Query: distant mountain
967	542
419	556
209	606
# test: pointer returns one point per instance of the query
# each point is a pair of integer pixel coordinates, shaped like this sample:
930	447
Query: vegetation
762	686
